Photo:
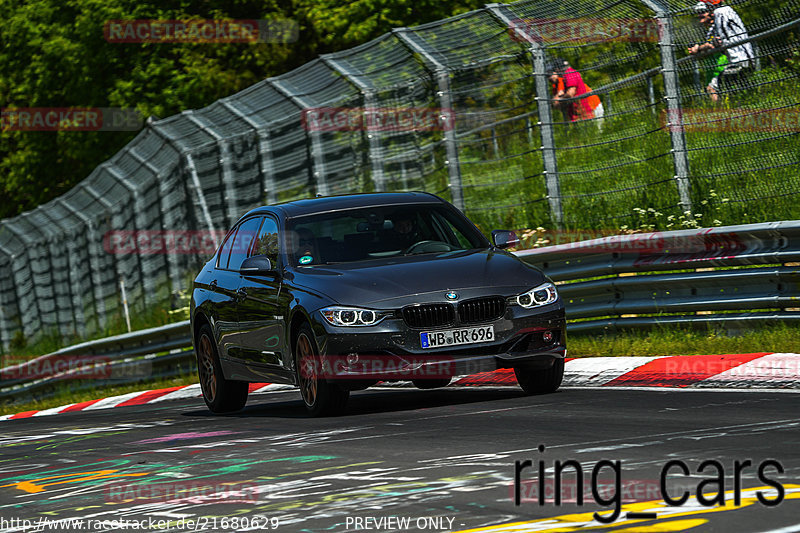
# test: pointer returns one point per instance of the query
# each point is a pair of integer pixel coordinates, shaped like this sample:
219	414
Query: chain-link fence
463	108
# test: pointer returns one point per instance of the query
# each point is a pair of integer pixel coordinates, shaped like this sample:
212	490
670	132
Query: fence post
440	72
167	216
228	180
552	182
94	268
264	152
139	225
108	211
317	153
372	133
35	323
7	305
201	197
73	279
669	69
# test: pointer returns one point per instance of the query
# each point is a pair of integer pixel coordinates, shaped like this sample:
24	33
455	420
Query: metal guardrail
697	278
689	278
154	353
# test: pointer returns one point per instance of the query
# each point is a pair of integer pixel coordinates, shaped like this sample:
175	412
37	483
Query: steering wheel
426	246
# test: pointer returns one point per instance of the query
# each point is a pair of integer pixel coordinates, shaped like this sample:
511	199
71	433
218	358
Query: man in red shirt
568	83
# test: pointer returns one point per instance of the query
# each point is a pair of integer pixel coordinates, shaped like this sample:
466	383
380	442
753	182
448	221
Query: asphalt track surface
401	460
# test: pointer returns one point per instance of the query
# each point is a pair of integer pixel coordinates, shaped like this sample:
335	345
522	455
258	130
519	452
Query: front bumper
392	350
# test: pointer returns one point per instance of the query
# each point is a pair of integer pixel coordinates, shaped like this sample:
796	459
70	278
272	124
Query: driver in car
404	232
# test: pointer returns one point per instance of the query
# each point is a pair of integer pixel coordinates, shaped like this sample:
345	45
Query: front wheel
320	397
540	381
221	395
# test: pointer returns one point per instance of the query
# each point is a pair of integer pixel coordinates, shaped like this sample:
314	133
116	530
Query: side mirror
503	238
258	265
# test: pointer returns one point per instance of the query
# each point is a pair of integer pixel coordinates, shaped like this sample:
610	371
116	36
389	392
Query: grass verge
674	341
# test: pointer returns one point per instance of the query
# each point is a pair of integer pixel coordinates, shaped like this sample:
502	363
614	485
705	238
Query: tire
537	381
320	396
431	383
221	395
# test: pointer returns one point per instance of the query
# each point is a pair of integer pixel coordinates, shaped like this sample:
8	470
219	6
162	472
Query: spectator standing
725	29
567	85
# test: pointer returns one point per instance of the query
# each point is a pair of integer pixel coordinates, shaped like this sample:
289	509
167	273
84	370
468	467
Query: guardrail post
372	132
442	76
669	69
264	151
549	159
318	174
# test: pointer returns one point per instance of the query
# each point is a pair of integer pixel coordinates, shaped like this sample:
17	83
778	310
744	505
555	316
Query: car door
261	322
223	285
229	281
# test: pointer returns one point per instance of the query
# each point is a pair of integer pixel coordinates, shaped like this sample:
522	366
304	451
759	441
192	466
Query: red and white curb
763	371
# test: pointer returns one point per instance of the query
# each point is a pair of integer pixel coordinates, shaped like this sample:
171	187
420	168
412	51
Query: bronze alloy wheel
320	396
221	395
205	367
308	372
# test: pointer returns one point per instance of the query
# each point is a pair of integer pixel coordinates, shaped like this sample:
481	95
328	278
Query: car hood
420	278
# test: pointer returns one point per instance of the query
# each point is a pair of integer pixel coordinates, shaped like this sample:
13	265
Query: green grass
679	341
623	175
65	396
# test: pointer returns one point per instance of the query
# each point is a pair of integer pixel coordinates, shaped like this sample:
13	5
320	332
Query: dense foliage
54	54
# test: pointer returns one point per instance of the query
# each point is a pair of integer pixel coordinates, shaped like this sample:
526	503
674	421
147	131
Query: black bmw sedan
336	294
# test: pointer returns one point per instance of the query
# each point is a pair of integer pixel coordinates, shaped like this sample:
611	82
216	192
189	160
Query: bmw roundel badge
451	295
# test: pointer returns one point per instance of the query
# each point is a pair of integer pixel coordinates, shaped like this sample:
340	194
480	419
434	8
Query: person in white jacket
725	29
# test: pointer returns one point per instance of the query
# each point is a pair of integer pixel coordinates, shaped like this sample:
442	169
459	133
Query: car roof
325	204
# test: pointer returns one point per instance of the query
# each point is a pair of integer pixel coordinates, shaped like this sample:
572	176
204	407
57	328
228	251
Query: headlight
351	316
542	295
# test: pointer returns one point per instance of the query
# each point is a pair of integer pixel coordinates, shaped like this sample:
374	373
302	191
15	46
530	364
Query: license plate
456	337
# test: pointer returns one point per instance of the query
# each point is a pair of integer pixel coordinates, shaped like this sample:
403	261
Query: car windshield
378	232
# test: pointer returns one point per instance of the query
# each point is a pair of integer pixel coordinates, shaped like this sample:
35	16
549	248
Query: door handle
241	293
213	284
